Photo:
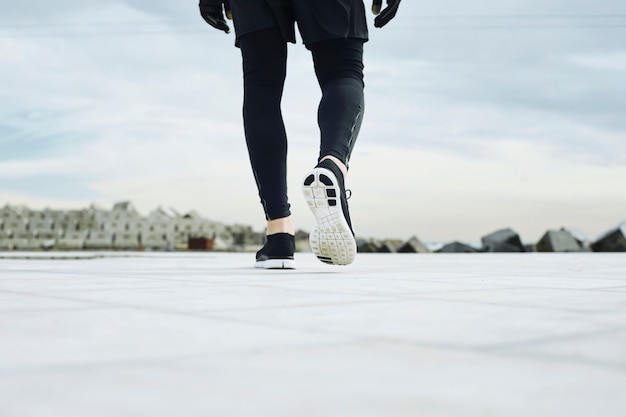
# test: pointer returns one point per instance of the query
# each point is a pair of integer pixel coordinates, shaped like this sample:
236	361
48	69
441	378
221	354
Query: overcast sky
479	115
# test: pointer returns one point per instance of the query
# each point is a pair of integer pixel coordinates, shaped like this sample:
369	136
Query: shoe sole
331	239
276	264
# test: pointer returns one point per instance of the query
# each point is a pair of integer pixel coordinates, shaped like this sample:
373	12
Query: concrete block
505	240
77	216
153	240
27	241
15	226
40	226
389	246
180	238
54	216
48	239
303	245
413	245
558	241
6	241
365	246
115	225
160	227
99	240
530	247
612	241
89	225
72	240
138	226
126	240
579	236
457	247
220	244
32	215
66	226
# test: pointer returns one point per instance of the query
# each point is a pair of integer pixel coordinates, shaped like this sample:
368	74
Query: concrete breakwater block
580	237
505	240
612	241
530	247
6	242
413	245
365	246
457	247
72	240
558	241
99	240
389	246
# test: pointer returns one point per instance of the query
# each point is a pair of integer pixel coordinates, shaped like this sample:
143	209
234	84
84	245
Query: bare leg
282	225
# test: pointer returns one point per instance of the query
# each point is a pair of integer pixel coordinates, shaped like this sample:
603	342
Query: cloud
476	116
443	195
615	61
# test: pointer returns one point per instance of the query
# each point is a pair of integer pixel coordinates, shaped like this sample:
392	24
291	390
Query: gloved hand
211	12
389	13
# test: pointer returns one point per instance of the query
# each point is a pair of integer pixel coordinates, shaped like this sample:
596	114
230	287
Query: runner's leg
339	70
264	55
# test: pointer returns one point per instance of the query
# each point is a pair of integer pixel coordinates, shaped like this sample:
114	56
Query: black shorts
318	20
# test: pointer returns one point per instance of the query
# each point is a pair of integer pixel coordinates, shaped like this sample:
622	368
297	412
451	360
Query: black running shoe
332	238
277	253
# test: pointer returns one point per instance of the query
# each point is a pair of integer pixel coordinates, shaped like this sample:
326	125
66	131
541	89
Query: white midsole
276	264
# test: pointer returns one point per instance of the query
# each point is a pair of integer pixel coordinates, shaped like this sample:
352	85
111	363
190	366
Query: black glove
387	14
211	12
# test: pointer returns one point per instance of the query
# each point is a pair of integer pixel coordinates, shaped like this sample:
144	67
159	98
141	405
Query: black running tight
339	70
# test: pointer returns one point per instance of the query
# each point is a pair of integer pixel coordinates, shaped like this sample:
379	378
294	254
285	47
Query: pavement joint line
209	315
78	257
556	339
275	285
414	292
486	349
210	359
387	298
166	359
105	290
609	289
253	286
511	305
381	300
16	311
394	345
212	281
519	354
564	358
216	315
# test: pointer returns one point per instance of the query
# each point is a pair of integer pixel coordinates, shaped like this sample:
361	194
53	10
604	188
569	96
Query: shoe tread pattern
331	239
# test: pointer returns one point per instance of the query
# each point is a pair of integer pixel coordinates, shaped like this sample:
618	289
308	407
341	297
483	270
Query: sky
479	116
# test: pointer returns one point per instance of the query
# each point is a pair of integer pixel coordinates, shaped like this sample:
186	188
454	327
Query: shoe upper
331	166
278	246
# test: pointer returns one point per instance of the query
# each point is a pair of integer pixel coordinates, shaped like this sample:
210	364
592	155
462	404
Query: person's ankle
282	225
338	162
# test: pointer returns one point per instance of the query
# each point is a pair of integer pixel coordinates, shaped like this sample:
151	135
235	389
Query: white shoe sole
331	239
276	264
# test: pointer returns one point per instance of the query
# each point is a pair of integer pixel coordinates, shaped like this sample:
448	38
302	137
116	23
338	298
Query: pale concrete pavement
179	334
